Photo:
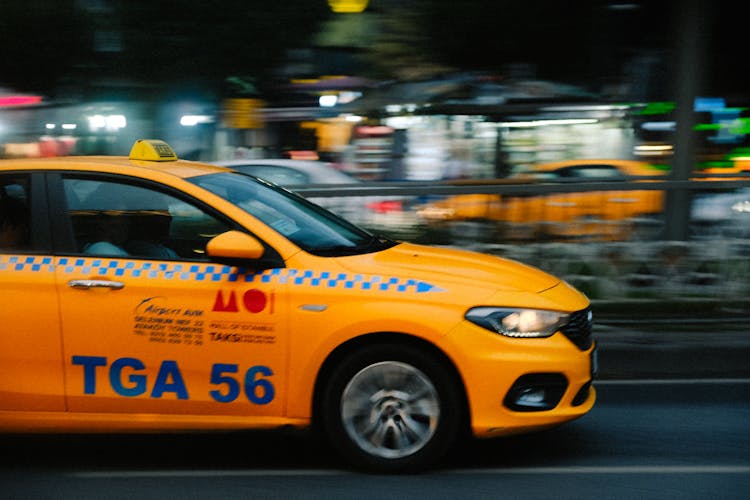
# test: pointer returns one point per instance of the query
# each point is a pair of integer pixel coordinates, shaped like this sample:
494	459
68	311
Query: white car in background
291	172
721	214
391	216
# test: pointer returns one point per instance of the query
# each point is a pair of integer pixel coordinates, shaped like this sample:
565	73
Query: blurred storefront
465	126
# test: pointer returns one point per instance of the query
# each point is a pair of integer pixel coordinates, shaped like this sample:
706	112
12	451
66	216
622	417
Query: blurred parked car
604	215
391	216
291	172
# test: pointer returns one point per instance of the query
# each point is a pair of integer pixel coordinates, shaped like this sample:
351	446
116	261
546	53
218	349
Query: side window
119	219
15	225
595	172
565	173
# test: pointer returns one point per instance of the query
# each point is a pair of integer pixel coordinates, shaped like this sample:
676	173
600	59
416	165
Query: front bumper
518	385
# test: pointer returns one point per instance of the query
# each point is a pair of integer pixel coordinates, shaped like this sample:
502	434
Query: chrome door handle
86	284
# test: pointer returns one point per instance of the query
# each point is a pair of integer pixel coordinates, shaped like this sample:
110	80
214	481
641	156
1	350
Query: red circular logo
254	300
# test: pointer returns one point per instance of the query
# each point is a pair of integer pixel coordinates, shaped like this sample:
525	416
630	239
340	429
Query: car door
31	366
150	325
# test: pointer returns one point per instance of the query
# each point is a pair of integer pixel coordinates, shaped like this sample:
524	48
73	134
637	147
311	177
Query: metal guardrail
649	226
718	182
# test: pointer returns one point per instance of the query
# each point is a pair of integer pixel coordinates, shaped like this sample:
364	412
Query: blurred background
606	142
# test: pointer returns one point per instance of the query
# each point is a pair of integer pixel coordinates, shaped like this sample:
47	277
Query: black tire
392	408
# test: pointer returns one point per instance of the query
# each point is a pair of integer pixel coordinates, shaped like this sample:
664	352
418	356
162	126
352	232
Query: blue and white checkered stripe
211	273
327	279
26	263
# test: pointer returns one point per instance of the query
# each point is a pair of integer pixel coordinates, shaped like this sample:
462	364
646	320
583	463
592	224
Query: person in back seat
112	235
148	233
14	224
151	249
117	238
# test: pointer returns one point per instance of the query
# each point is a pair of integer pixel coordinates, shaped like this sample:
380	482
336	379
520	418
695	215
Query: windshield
309	226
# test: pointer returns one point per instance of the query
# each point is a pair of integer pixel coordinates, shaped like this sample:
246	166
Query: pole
692	27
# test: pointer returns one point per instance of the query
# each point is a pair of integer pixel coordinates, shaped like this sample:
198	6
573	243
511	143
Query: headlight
523	323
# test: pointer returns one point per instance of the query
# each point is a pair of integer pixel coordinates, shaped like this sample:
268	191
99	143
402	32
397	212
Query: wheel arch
394	338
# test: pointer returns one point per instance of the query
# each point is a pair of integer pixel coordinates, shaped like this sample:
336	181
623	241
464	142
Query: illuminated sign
19	100
242	113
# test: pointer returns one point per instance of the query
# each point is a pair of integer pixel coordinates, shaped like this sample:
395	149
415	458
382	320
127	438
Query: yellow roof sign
152	150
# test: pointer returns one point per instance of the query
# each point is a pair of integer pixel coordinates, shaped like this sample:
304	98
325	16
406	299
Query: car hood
452	268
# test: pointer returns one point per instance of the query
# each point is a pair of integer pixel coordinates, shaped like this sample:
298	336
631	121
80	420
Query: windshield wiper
377	242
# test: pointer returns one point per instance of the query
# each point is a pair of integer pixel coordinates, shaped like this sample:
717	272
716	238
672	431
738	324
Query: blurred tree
583	42
200	43
402	47
389	40
491	35
588	42
156	42
205	42
40	40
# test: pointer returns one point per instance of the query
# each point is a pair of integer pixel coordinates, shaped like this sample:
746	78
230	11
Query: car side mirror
236	246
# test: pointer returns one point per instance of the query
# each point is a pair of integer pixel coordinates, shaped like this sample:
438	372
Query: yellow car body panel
33	347
450	279
110	343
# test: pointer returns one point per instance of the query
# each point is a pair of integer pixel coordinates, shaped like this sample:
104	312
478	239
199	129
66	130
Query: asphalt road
644	439
646	345
672	420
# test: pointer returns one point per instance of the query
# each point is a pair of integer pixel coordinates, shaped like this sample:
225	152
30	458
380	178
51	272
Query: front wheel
392	408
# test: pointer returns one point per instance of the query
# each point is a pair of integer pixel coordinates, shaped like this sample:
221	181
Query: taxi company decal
253	301
158	321
213	273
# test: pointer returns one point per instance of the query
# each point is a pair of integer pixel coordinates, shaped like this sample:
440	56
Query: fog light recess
583	395
536	392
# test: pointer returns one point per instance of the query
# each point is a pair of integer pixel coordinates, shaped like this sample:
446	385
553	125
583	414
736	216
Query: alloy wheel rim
390	409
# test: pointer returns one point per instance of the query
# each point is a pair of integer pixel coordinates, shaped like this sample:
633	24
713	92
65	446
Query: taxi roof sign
152	150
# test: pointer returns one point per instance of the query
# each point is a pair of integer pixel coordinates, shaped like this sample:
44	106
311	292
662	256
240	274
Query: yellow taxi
147	293
603	215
